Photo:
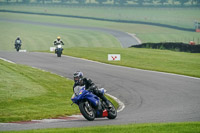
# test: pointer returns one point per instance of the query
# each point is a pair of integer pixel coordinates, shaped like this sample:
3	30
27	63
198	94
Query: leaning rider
57	42
89	85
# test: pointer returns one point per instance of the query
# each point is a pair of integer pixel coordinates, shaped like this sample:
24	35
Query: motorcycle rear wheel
112	112
87	111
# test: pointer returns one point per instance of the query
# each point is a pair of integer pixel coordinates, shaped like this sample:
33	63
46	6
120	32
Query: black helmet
78	76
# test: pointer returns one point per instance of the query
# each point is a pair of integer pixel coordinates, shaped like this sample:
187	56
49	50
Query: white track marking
7	60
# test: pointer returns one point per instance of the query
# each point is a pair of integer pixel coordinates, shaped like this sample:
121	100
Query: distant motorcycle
91	106
18	45
59	50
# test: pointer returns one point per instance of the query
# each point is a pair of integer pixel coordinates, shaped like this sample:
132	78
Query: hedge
182	47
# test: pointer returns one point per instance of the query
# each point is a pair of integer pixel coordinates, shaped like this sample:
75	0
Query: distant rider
18	42
57	42
89	85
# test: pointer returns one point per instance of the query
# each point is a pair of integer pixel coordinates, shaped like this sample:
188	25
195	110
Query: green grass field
27	93
38	37
187	127
183	17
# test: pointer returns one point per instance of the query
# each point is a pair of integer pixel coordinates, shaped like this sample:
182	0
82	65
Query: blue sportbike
91	106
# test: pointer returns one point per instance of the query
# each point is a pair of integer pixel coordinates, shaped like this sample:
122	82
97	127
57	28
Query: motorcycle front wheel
58	54
87	111
17	48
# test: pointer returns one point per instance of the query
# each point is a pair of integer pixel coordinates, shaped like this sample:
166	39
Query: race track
148	96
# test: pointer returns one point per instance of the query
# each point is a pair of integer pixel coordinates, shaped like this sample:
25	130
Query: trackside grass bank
27	93
41	37
187	127
182	17
148	59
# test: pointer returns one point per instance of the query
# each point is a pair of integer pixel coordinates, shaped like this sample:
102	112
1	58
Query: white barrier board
22	50
52	49
114	57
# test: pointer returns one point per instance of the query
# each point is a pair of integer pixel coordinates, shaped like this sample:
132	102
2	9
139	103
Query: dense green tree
140	2
101	1
26	1
120	2
183	2
163	1
198	2
64	1
41	1
81	1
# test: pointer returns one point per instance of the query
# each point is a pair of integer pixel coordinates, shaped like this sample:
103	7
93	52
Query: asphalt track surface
148	96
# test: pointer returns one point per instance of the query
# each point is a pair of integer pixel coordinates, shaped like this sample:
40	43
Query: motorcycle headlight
59	46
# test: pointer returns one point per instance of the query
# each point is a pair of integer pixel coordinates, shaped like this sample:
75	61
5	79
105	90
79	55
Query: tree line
113	2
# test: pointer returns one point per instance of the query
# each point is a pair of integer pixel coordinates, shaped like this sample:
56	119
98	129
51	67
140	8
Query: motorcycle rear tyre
112	114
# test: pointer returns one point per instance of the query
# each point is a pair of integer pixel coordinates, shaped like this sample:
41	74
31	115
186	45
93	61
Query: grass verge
27	93
182	17
148	59
186	127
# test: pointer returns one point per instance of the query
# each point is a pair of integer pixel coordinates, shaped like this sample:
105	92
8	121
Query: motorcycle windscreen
77	93
78	90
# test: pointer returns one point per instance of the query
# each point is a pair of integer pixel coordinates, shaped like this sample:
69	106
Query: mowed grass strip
27	93
185	127
148	59
41	37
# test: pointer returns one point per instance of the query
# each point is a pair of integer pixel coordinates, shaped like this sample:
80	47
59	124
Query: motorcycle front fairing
59	48
77	97
82	94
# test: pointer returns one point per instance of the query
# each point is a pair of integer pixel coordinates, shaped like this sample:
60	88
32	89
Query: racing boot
106	101
108	104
